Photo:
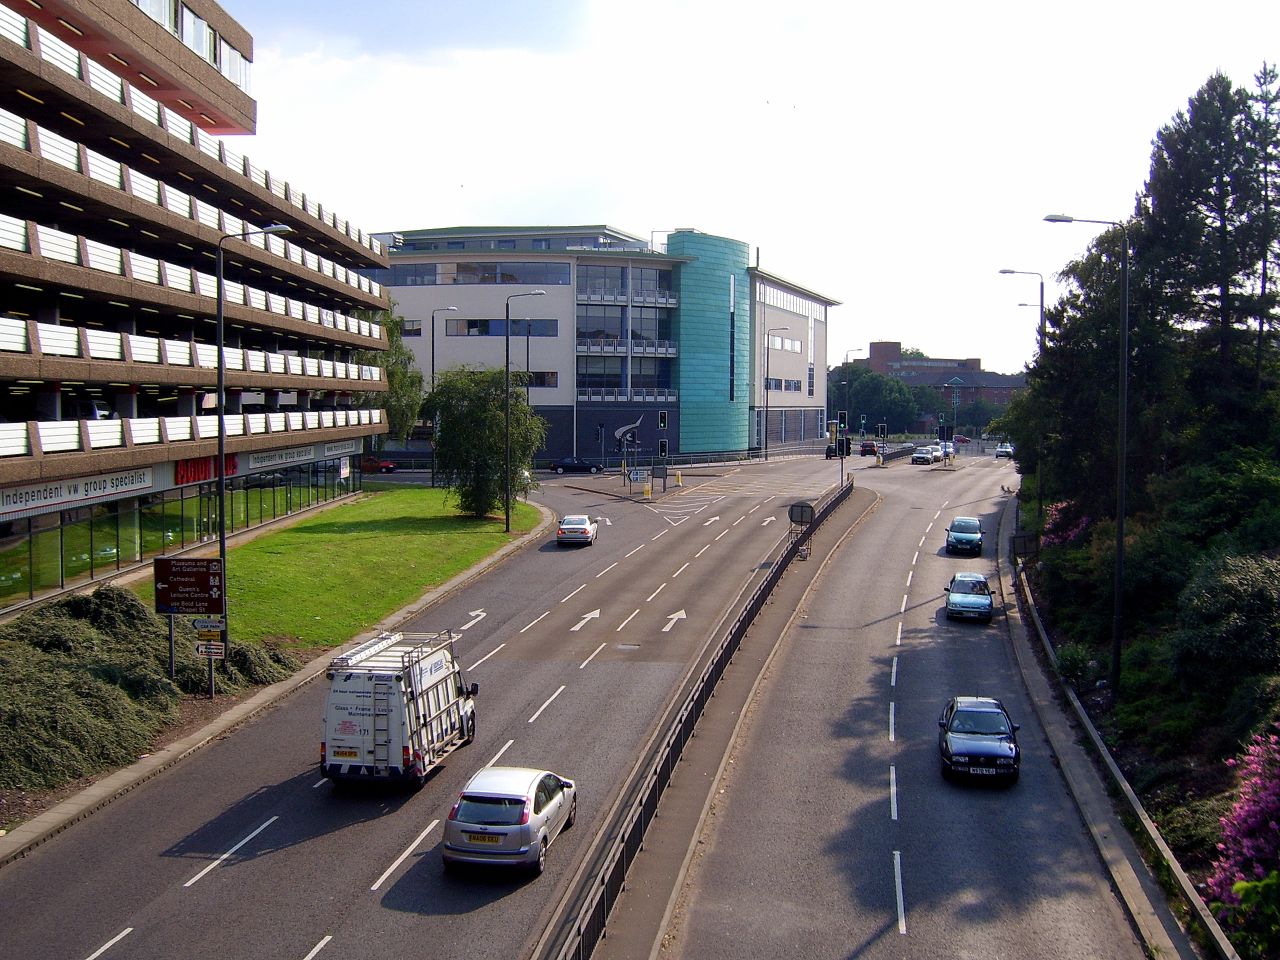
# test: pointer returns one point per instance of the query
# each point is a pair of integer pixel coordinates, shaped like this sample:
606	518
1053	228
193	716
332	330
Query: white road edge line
571	596
231	851
910	574
498	756
636	550
893	792
628	620
702	551
110	943
897	882
678	572
408	850
898	642
903	608
654	594
320	783
938	514
921	543
891	712
605	570
928	528
893	675
528	625
662	534
547	704
486	656
590	658
916	558
318	947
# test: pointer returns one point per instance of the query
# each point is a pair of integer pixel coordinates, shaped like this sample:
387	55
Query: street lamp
1117	609
433	342
1032	273
849	351
275	228
506	389
766	386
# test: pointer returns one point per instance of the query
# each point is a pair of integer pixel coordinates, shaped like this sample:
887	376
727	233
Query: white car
576	529
508	816
935	452
1004	450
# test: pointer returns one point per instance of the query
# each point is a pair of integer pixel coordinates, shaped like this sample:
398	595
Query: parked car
576	465
922	455
960	438
869	448
977	738
378	465
965	536
576	529
509	816
1004	450
969	597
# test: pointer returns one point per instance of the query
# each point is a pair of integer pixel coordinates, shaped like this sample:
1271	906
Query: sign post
195	585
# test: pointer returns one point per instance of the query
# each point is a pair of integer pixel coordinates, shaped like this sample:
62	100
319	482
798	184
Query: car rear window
491	811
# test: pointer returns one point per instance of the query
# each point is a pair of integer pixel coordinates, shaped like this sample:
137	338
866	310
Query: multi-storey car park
115	194
689	349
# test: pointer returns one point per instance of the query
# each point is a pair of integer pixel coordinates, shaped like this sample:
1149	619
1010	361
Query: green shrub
1077	666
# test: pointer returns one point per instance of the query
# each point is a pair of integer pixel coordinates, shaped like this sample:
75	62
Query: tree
914	353
469	408
882	399
403	397
1264	131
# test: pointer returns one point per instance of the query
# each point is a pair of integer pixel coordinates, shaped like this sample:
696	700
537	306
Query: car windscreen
986	722
490	811
969	586
965	526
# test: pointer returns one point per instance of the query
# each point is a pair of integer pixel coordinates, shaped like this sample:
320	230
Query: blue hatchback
969	598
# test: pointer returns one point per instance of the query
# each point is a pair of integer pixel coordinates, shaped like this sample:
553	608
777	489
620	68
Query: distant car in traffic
922	455
576	465
935	451
868	448
378	465
508	817
965	536
977	738
969	598
948	449
576	529
960	438
1004	450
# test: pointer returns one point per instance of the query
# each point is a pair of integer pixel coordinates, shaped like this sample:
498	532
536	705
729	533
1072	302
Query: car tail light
453	812
405	758
528	809
324	753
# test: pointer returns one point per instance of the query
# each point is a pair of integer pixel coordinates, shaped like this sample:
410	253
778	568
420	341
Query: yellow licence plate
484	838
348	754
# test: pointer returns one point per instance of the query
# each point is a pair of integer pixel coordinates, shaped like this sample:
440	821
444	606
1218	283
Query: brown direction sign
185	585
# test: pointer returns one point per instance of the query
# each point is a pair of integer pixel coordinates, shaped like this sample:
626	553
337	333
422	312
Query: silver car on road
509	816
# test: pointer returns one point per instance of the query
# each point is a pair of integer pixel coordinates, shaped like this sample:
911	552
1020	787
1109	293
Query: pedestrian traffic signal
662	449
662	419
844	420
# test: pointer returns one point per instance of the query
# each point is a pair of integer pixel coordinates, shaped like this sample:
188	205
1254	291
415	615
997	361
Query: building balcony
64	448
643	298
624	395
621	348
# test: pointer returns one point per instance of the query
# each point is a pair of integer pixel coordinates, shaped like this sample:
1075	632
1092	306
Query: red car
377	465
961	439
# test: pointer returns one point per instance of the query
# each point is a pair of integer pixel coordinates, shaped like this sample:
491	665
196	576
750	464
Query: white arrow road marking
607	521
230	852
672	618
675	523
768	520
593	615
476	617
110	943
707	523
408	850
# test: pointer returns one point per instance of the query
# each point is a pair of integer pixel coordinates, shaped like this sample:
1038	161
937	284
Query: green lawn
323	580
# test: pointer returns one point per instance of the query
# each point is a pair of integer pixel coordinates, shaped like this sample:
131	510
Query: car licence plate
981	771
484	838
347	754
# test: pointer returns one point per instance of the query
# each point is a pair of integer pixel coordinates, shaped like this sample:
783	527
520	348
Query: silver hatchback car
509	816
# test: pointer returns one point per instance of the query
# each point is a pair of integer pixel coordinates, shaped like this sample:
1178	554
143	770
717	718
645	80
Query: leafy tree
403	398
914	353
883	399
1265	138
469	408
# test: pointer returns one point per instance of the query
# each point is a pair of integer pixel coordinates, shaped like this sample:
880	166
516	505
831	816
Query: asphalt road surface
245	851
835	835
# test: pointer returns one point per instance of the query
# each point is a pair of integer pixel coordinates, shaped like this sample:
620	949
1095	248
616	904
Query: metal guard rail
583	924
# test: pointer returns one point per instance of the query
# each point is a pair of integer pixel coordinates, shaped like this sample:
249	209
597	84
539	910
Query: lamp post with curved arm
433	341
1032	273
220	291
506	389
767	351
1117	607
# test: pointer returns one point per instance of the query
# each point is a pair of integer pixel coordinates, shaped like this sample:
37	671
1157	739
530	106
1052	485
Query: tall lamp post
1117	609
1032	273
433	341
767	351
506	390
275	228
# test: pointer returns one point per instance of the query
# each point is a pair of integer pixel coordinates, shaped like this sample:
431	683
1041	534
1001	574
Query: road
835	835
245	851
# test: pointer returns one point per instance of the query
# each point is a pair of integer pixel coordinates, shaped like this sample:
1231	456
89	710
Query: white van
396	706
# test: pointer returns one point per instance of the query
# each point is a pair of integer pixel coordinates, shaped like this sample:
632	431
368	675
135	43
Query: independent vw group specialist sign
188	586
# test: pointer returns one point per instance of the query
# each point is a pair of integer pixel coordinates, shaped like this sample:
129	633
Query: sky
893	156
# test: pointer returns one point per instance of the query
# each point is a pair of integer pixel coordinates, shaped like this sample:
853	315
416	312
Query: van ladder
410	667
381	726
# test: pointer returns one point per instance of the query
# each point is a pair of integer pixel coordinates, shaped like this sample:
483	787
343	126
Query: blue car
965	536
969	598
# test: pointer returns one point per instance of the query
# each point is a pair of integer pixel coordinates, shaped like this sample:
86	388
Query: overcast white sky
893	157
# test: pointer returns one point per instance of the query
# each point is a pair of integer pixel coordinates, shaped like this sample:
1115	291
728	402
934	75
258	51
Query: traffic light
662	449
844	420
662	419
